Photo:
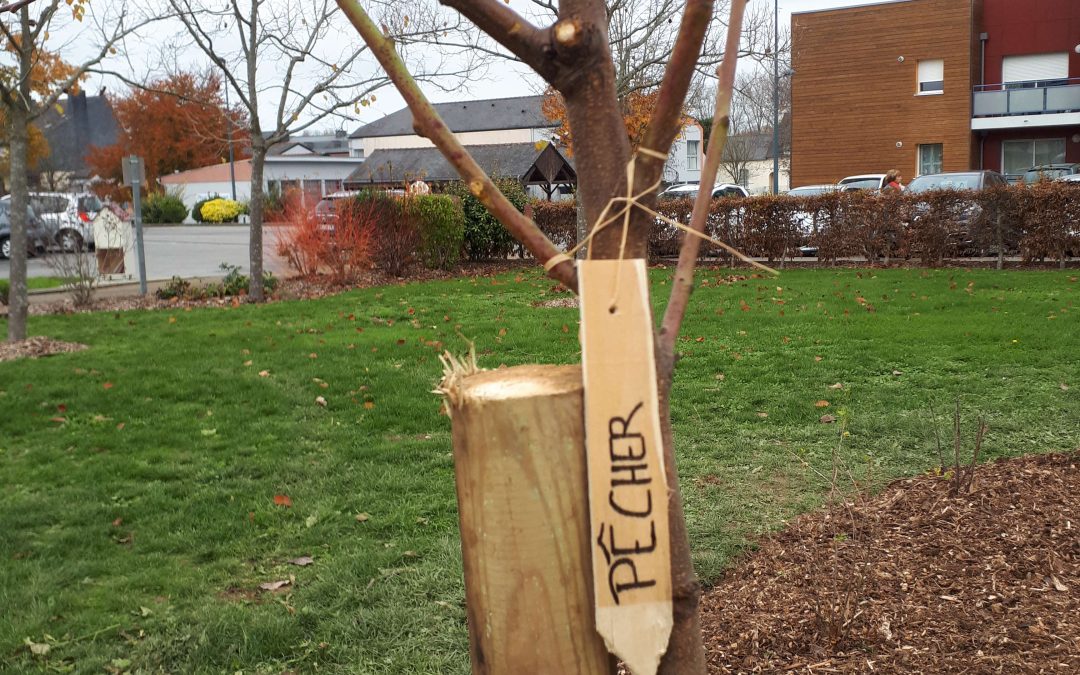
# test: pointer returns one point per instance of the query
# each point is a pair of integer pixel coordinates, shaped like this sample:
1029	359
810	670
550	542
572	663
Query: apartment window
1035	70
1019	156
931	76
930	156
692	153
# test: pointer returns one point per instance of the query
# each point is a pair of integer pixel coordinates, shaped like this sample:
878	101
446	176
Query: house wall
854	101
298	169
1030	27
494	137
678	167
761	171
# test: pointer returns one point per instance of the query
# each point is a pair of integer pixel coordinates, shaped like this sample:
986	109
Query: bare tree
573	55
739	152
294	55
32	85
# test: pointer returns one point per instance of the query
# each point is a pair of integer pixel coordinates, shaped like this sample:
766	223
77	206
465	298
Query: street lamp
228	123
776	100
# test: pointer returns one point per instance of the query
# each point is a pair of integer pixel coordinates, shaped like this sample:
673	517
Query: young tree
174	123
573	55
290	55
34	83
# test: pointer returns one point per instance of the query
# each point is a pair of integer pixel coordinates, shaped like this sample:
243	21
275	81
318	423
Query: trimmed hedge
485	237
441	221
1037	222
163	208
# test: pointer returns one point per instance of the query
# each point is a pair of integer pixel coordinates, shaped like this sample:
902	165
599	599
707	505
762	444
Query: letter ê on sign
628	499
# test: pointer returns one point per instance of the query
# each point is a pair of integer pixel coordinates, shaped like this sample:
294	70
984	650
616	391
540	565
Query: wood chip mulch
36	347
915	580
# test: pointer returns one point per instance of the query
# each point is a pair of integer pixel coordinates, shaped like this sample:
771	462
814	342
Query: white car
690	190
865	181
804	220
68	216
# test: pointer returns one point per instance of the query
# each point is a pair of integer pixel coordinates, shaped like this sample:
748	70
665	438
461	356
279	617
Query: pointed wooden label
628	497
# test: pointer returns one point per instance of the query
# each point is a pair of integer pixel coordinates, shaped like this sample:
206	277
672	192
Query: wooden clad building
882	86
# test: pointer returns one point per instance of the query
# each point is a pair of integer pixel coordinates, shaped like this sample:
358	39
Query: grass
138	478
39	283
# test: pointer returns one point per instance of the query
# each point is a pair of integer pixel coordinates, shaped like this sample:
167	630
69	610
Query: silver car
69	216
37	235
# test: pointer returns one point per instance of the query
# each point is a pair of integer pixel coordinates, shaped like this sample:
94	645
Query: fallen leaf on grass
763	414
836	386
209	432
274	585
248	362
817	358
107	385
120	427
368	405
822	404
313	355
319	400
827	419
264	373
362	517
897	373
1064	387
118	522
283	500
302	561
311	520
60	420
36	648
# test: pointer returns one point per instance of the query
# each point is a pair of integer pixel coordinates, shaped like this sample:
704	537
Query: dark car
966	213
37	235
1050	172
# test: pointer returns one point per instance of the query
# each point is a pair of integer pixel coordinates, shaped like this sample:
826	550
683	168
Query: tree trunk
18	300
520	468
255	212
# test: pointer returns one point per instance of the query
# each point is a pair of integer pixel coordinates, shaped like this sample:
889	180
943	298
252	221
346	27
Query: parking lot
186	251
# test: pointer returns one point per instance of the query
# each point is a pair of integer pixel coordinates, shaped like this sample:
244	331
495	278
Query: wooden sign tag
628	497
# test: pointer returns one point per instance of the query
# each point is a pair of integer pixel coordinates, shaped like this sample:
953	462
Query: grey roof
324	145
86	121
521	112
399	165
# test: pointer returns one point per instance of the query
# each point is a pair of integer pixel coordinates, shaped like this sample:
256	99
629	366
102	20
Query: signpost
135	176
628	496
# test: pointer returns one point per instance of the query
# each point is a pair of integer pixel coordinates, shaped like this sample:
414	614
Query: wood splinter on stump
519	456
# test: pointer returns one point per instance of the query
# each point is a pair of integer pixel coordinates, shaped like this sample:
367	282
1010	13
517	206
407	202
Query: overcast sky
503	79
506	80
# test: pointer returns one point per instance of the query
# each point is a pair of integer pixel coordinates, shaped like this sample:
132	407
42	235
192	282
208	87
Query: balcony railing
1026	98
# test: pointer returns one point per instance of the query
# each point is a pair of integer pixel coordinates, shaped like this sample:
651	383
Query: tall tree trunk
19	223
255	210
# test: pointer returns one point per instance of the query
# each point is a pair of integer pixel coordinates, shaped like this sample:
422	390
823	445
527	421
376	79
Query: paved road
187	251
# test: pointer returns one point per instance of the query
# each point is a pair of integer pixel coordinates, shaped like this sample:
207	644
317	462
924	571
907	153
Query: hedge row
1036	222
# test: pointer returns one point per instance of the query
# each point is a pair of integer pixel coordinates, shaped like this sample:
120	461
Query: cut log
519	455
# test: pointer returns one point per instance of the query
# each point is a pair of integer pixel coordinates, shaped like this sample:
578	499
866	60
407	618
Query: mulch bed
915	580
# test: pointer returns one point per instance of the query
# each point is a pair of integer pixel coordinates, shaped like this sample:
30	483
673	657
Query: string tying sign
628	497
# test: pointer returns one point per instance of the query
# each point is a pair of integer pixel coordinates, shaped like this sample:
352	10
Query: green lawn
38	283
138	478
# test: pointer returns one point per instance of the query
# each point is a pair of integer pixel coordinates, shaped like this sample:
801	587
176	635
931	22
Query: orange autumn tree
174	123
636	108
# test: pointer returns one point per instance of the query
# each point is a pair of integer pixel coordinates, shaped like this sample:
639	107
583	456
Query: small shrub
395	235
557	220
220	211
177	287
196	210
163	208
485	236
441	222
342	246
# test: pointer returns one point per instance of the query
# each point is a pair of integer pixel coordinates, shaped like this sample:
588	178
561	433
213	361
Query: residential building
748	161
517	121
194	185
78	123
934	85
315	164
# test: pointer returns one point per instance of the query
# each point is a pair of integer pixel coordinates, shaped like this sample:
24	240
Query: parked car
37	235
1072	179
968	213
690	190
1050	172
69	217
865	181
812	190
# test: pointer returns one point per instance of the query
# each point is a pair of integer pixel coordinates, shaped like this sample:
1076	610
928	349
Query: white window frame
919	158
693	152
930	72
